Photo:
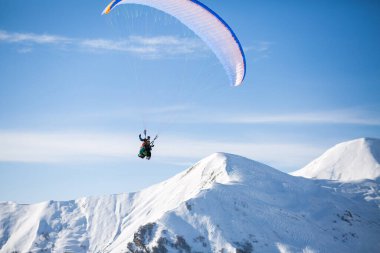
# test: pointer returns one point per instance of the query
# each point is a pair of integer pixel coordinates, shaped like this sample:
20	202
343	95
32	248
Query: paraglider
210	27
146	146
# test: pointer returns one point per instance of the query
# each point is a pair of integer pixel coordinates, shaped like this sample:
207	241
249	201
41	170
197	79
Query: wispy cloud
25	50
327	117
260	46
281	155
61	147
188	114
33	38
42	147
260	49
344	117
154	47
151	47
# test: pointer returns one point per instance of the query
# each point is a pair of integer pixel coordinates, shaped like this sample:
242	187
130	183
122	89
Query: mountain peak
228	168
224	203
212	169
353	160
222	168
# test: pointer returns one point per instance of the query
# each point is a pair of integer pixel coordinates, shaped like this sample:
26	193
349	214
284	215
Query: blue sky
77	88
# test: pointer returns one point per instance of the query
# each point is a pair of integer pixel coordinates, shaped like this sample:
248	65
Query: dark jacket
146	143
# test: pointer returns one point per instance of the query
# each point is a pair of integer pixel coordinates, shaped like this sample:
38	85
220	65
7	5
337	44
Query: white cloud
159	40
60	147
260	49
187	114
40	147
151	47
280	155
103	44
169	45
33	38
25	50
124	46
344	117
328	117
260	46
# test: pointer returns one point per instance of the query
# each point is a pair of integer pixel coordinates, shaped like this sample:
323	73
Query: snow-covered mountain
224	203
348	161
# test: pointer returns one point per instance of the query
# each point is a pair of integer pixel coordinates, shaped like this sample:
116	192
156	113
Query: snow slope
224	203
353	160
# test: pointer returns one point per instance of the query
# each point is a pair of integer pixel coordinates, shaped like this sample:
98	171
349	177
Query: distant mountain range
224	203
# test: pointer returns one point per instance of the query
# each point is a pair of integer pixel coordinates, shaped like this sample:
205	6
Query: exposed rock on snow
224	203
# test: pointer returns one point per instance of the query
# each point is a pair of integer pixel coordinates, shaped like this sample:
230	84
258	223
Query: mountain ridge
224	203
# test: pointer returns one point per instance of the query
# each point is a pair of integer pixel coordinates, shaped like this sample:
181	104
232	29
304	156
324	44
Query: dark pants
145	153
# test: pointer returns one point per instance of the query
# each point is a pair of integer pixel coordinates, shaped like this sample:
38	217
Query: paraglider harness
146	146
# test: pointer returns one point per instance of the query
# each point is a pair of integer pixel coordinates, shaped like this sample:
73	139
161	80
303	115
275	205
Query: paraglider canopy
210	27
